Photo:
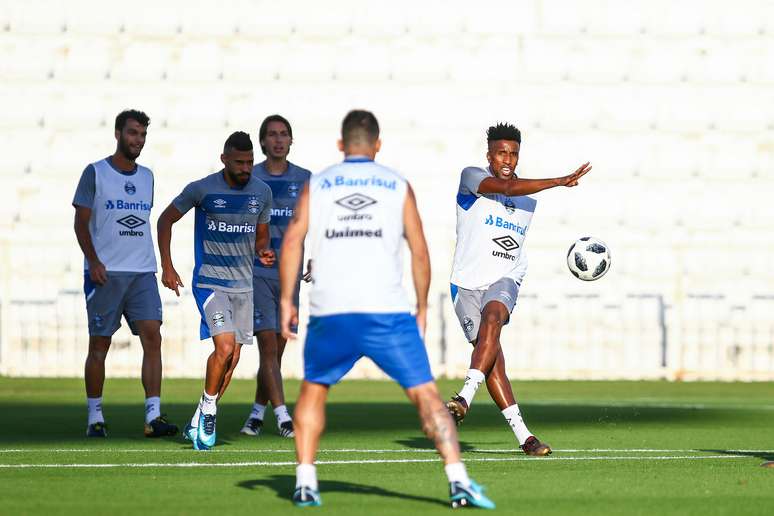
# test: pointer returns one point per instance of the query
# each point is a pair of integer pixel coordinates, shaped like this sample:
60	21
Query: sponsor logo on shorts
499	222
225	227
508	243
218	319
98	321
467	324
130	188
353	233
257	317
131	222
293	190
254	205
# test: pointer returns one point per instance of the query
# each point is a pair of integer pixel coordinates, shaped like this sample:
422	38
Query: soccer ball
588	258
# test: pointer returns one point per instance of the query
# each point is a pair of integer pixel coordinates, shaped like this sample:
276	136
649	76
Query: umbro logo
507	242
219	203
131	222
356	202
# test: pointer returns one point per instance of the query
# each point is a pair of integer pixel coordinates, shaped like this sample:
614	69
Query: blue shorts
133	295
335	342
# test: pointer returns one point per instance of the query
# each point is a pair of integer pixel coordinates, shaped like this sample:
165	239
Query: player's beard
239	178
125	149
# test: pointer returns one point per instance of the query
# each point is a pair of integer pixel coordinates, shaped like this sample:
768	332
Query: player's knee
492	319
225	349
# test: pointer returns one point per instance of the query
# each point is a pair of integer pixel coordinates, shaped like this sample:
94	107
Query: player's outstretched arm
420	258
97	271
290	262
169	276
516	186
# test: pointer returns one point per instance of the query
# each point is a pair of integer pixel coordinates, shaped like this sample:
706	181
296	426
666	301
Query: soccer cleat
98	429
252	426
205	433
458	407
468	496
160	427
286	429
190	433
305	496
533	446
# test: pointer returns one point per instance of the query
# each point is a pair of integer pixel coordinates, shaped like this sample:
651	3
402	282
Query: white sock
257	412
513	416
306	475
152	408
456	473
95	410
209	404
281	413
197	413
472	382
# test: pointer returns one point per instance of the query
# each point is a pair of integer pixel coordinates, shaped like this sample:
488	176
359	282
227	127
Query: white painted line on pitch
366	461
645	403
363	450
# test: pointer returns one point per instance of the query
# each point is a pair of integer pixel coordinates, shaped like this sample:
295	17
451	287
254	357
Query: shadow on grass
764	455
283	486
33	421
423	443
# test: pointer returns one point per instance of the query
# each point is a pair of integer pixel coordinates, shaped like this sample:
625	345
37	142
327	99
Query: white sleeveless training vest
355	238
120	219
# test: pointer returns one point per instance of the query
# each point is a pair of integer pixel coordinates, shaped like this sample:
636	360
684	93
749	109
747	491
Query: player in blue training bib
232	210
351	211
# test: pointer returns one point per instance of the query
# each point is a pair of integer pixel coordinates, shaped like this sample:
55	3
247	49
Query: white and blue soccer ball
588	258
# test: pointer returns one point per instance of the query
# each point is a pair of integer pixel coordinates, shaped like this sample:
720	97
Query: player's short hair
359	126
239	141
131	114
503	131
265	128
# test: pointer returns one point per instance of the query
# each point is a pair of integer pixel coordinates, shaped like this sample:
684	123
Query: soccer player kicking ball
286	181
493	217
231	226
112	209
356	215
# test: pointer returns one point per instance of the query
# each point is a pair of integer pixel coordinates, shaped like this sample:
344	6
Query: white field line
645	403
366	461
360	450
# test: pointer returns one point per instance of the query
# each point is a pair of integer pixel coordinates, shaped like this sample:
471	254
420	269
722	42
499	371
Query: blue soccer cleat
468	496
305	496
190	433
205	433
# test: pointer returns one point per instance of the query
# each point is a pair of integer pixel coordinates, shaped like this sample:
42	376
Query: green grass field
619	448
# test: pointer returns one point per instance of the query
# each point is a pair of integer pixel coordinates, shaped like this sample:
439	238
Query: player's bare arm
420	258
266	255
516	186
290	261
169	276
97	271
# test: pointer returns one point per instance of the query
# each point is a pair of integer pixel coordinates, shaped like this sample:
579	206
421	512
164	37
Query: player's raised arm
290	262
169	276
420	258
516	186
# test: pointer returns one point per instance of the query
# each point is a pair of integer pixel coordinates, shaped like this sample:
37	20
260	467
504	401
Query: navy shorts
335	342
266	294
